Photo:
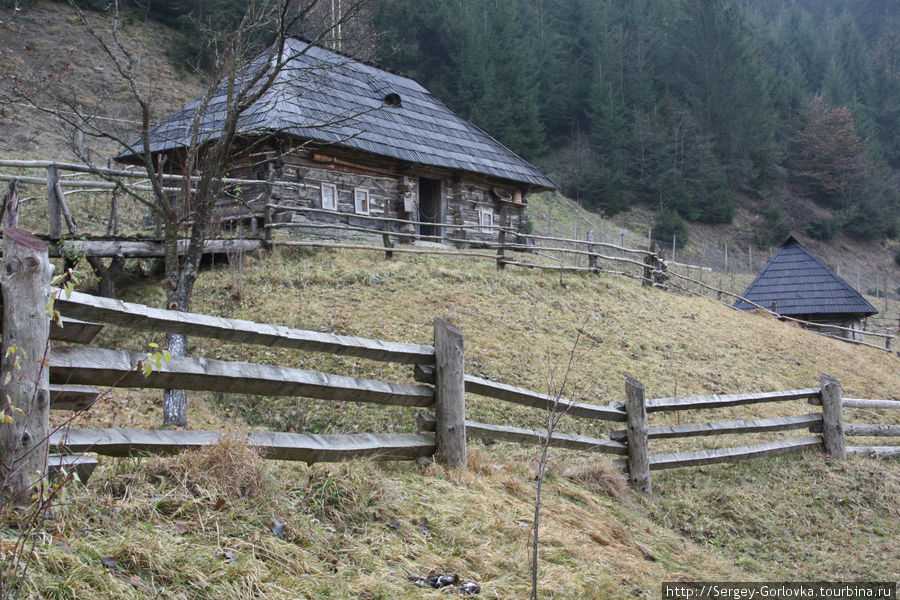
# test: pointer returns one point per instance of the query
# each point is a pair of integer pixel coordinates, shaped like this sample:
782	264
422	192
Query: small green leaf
7	378
153	345
147	368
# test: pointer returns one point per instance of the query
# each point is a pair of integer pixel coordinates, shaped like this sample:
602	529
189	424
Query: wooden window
361	201
486	219
329	196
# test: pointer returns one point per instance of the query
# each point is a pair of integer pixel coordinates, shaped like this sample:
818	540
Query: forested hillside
686	107
677	104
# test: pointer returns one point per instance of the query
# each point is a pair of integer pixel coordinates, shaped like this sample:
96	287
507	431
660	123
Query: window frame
356	203
486	211
334	196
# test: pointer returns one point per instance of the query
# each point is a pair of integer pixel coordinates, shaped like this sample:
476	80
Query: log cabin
342	136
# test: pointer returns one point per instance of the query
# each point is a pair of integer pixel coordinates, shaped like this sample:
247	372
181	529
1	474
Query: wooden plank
718	401
146	248
875	451
878	404
97	366
449	394
506	433
423	250
721	455
813	420
138	316
636	433
833	418
74	331
25	278
517	395
309	448
72	397
861	430
81	464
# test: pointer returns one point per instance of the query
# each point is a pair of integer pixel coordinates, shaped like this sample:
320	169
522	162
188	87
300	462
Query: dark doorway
430	209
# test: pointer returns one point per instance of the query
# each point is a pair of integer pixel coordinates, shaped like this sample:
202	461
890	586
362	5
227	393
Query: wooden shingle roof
326	97
801	284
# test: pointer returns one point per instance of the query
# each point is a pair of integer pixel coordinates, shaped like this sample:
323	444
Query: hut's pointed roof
329	98
801	284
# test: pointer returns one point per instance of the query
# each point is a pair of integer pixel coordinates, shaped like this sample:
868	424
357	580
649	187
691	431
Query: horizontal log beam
424	250
506	433
517	395
146	248
875	451
878	404
309	448
97	366
138	316
722	400
74	331
79	464
723	455
810	421
72	397
863	430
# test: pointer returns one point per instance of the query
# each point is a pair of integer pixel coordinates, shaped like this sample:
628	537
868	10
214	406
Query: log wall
393	192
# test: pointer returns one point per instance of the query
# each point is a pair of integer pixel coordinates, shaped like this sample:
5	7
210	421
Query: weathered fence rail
304	447
138	316
512	247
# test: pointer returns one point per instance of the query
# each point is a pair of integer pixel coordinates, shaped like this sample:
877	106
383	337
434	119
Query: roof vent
393	99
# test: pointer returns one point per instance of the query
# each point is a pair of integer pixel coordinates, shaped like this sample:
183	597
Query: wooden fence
72	375
510	248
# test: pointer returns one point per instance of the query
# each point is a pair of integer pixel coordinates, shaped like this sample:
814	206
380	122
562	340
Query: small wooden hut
339	135
796	283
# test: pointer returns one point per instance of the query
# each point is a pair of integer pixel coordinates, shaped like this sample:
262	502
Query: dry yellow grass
356	530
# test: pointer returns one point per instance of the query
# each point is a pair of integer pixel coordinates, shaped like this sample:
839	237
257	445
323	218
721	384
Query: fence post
26	330
833	417
592	258
53	201
501	249
450	395
636	432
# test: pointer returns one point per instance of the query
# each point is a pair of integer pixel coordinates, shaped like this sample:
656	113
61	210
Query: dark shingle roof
329	98
802	284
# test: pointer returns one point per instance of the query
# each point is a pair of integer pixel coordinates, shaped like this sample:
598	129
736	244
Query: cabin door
431	209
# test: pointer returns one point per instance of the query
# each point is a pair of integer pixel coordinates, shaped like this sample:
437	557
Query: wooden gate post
833	417
501	250
450	395
24	377
53	199
636	432
592	258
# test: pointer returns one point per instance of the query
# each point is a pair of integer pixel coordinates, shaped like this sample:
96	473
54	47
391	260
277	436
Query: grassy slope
355	531
198	527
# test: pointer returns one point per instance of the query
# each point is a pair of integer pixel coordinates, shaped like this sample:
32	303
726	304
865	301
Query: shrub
776	228
825	229
668	224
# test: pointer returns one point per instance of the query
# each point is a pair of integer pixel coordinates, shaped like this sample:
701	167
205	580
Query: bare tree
248	60
556	411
